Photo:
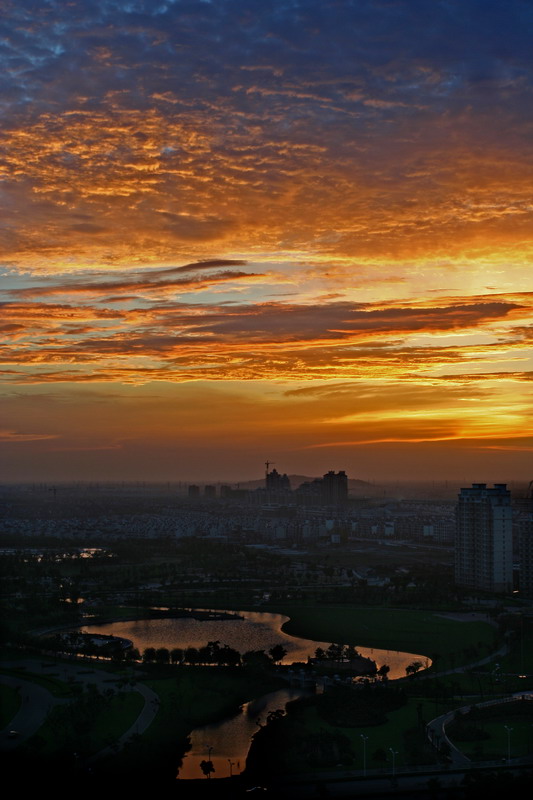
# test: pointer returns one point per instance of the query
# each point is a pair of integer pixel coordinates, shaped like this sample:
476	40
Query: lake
257	630
227	742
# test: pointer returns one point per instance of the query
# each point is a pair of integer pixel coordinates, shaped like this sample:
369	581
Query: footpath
37	702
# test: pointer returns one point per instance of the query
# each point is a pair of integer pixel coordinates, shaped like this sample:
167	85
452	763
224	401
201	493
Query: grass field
421	632
69	729
293	747
195	696
55	686
189	698
496	746
9	704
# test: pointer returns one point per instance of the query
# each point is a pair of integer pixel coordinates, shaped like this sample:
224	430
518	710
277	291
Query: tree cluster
213	653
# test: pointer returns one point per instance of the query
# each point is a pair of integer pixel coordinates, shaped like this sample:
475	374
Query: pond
253	630
227	742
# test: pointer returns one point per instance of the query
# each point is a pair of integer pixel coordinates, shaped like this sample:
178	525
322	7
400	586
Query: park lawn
495	748
117	719
55	686
10	703
420	632
196	696
488	681
59	733
519	660
189	698
521	738
477	683
495	721
380	739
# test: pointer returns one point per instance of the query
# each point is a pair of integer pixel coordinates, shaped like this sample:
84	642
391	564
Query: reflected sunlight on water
226	743
229	741
257	630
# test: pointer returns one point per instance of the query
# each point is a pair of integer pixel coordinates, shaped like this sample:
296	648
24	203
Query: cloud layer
330	199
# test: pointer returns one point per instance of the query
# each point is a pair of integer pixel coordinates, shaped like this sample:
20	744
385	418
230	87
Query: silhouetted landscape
253	636
266	514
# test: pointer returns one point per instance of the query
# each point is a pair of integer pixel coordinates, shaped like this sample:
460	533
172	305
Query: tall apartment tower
484	539
524	527
334	488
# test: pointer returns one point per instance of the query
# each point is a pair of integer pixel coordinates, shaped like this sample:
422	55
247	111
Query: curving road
436	729
37	702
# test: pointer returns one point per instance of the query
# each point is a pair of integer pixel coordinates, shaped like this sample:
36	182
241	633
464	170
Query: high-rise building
335	488
524	526
276	482
484	538
331	490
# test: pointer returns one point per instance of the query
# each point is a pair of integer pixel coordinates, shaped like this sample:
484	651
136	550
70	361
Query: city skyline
232	232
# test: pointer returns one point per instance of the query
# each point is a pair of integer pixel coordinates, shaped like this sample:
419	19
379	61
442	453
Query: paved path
37	701
145	718
436	729
36	704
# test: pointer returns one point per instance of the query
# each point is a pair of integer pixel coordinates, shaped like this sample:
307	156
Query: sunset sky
234	230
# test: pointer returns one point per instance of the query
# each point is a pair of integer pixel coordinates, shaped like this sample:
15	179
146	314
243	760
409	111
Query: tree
192	655
335	652
256	658
133	654
228	656
277	653
413	668
162	655
350	653
207	768
380	755
149	654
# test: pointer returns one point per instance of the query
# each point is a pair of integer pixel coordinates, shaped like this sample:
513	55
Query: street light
508	742
394	754
365	740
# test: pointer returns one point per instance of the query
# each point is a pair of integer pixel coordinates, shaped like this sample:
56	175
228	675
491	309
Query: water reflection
227	743
257	630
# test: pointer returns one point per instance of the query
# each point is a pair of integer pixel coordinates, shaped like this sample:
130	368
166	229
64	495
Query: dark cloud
354	127
187	341
141	281
92	47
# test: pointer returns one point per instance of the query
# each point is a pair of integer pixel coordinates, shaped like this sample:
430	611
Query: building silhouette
484	538
330	490
275	482
524	526
334	488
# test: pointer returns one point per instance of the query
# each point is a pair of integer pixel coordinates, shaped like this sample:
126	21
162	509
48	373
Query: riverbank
440	638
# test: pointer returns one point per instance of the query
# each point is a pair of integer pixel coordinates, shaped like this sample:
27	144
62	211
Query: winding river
227	742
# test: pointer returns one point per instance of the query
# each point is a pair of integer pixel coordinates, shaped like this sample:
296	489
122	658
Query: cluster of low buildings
490	532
